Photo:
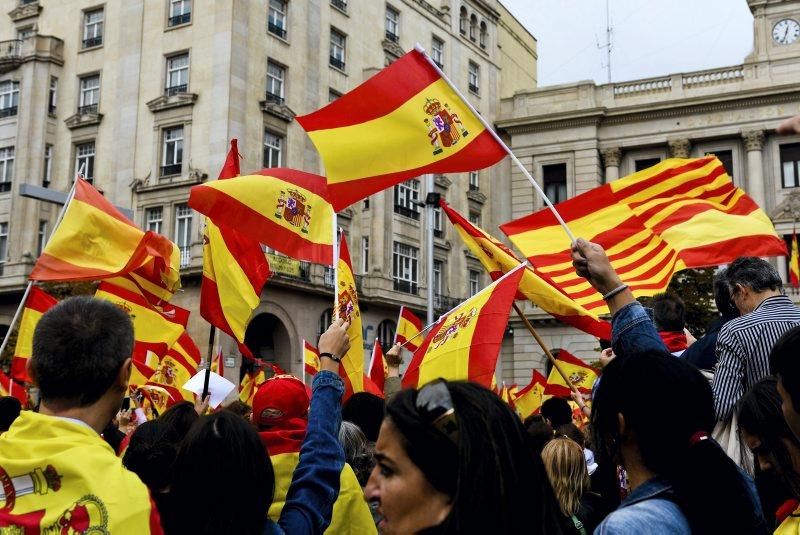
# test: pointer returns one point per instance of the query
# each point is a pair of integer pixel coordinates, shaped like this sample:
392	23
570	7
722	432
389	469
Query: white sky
650	37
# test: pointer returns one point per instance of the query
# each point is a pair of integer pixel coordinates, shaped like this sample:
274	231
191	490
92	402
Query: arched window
483	34
473	27
325	320
462	20
386	330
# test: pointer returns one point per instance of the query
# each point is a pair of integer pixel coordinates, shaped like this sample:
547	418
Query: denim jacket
315	481
632	331
648	509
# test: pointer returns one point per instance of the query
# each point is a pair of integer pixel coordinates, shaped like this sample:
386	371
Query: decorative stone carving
789	209
167	102
196	174
476	196
281	111
393	48
612	156
83	119
25	11
679	148
442	181
753	139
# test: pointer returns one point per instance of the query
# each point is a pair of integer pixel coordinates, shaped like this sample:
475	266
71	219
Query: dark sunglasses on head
435	405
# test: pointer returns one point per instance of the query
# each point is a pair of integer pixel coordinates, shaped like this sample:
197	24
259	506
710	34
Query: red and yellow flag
794	263
465	342
310	359
529	400
37	303
285	209
175	369
681	213
403	122
581	376
346	306
8	387
140	374
377	366
249	386
95	241
409	327
535	286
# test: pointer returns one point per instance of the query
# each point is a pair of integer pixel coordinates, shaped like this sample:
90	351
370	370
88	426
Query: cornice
167	102
281	111
80	120
25	11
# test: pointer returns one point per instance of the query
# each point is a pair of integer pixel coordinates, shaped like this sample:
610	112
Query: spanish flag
538	288
175	369
409	328
235	270
678	214
284	209
249	386
581	376
310	359
346	306
95	241
508	394
140	374
377	366
529	400
794	263
9	387
465	342
403	122
37	303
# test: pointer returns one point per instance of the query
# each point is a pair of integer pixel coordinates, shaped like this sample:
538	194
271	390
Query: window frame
550	182
90	159
183	240
151	223
276	78
334	60
279	148
84	90
7	164
793	161
474	78
94	38
174	18
365	255
47	167
405	267
9	98
171	89
406	194
437	53
473	283
391	24
278	24
52	96
4	226
174	146
41	237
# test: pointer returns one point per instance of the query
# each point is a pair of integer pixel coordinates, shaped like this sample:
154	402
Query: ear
124	375
29	369
621	423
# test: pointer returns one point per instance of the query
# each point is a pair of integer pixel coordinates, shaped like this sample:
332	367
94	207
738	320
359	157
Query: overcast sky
650	37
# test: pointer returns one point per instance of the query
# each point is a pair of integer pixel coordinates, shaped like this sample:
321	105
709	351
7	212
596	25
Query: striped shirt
743	348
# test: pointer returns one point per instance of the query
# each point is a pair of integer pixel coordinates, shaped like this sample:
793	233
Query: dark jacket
703	353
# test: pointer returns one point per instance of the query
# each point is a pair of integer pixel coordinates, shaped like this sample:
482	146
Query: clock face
786	31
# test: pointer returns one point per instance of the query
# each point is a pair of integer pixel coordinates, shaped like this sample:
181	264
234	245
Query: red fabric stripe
211	308
249	256
155	519
663	176
536	379
587	324
18	370
378	96
641	281
409	316
87	193
314	183
681	191
39	300
743	207
721	251
344	253
458	219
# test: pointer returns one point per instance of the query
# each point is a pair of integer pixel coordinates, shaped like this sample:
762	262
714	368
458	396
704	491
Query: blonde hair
566	469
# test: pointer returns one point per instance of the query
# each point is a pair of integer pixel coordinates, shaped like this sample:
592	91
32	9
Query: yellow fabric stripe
353	361
24	347
658	188
584	377
148	325
711	227
395	142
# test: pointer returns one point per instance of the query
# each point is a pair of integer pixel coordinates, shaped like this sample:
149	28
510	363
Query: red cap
279	401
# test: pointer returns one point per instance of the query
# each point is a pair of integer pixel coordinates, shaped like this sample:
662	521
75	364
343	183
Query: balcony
171	169
444	303
405	286
89	108
186	256
175	89
273	98
391	36
336	63
474	187
283	267
406	212
276	29
438	233
177	20
10	111
10	55
92	42
341	5
474	89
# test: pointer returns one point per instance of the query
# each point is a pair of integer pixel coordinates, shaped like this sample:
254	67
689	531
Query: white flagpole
303	358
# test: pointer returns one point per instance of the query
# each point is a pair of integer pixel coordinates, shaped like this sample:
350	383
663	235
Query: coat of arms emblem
441	126
294	208
451	328
577	377
167	372
347	302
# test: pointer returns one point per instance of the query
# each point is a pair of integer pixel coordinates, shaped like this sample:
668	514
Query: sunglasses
435	405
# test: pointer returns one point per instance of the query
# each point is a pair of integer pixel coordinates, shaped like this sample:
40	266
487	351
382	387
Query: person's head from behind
751	280
281	403
668	312
177	420
566	469
722	295
10	407
454	455
765	432
785	365
557	412
241	408
221	451
539	431
366	411
150	454
652	413
81	357
572	432
358	452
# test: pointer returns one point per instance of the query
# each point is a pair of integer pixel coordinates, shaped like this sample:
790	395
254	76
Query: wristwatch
331	356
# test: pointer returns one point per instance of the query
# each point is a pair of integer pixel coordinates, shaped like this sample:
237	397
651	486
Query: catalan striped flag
402	123
310	359
95	241
528	401
465	342
498	259
37	303
346	307
681	213
377	366
285	209
409	328
580	375
794	263
9	387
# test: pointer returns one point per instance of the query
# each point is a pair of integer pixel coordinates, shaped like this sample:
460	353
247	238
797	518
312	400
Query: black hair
10	407
497	485
784	363
557	411
539	431
572	432
722	295
150	455
178	419
221	451
753	272
79	347
366	411
667	406
668	312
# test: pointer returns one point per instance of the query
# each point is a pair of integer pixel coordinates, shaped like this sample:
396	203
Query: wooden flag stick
211	334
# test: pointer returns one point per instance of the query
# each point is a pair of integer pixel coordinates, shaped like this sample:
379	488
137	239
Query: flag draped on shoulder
794	263
408	330
528	401
498	259
403	122
377	366
346	307
580	375
285	209
95	241
465	342
310	359
678	214
37	303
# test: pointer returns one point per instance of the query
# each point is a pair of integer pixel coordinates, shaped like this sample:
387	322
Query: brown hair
566	469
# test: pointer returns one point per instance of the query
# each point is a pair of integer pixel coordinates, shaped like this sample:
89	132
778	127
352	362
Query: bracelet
616	291
331	356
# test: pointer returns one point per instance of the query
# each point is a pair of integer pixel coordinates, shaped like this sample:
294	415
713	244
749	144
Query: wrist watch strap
331	356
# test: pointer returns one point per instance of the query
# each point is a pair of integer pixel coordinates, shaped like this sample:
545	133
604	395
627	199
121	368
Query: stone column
679	148
753	144
611	158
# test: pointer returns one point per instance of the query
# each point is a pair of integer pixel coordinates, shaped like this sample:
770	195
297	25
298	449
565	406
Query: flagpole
303	358
491	131
429	214
207	377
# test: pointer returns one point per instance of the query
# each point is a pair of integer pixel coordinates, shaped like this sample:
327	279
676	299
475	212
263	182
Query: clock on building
786	31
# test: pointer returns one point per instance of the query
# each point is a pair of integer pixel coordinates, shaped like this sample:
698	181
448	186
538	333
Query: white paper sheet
218	387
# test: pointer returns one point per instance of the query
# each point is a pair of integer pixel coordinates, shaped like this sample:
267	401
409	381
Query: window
276	18
341	5
473	27
52	97
329	277
726	157
462	21
276	74
645	163
6	168
25	33
92	28
438	266
325	320
365	204
154	218
474	76
177	74
474	181
404	268
474	282
89	94
437	52
84	160
475	218
364	255
333	95
790	165
392	24
554	177
406	195
180	12
273	149
183	232
438	227
9	98
3	245
42	237
172	151
483	35
48	165
386	330
338	49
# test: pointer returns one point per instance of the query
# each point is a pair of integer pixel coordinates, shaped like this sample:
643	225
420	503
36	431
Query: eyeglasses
435	405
